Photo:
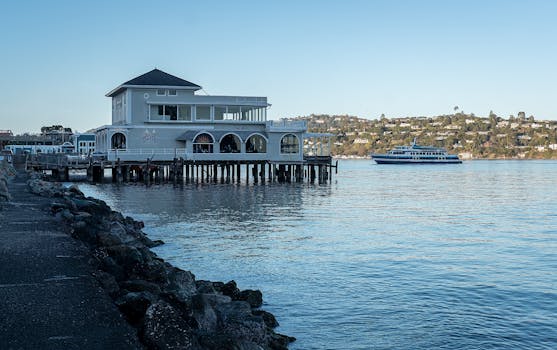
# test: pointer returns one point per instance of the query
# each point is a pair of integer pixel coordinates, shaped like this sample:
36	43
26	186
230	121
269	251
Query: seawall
149	303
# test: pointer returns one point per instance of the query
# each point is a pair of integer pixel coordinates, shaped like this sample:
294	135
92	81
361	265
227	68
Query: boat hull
407	160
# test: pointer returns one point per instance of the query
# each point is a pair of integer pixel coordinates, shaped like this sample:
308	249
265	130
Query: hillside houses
478	137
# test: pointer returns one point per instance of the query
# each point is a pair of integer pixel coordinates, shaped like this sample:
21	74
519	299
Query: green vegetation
465	134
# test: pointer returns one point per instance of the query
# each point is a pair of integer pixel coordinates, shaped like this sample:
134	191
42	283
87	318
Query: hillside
465	134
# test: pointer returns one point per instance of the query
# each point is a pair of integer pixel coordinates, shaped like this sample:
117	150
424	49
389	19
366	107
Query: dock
312	169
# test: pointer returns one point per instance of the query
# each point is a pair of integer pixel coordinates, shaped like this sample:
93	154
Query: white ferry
415	154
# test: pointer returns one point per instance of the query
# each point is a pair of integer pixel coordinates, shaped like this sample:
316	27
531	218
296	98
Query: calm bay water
385	257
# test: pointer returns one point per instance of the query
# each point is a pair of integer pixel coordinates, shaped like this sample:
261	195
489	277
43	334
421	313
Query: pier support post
281	173
254	173
247	173
98	173
90	173
181	170
227	173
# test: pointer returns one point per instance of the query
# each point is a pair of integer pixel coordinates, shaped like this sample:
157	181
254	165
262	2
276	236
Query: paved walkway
48	297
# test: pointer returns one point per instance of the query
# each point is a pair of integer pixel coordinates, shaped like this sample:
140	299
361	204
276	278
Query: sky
364	58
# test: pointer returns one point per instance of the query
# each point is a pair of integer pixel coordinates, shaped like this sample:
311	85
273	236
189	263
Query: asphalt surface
48	296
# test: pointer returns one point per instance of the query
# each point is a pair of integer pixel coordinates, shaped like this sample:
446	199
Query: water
385	257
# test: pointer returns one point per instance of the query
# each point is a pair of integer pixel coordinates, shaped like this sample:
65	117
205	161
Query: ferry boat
415	154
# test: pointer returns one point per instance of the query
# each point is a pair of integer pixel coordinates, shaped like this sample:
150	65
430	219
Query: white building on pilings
159	118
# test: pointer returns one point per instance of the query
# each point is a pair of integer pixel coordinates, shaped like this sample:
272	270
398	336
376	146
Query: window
220	111
184	112
172	92
164	112
289	144
118	141
230	144
227	112
256	144
254	113
203	113
203	143
161	92
232	113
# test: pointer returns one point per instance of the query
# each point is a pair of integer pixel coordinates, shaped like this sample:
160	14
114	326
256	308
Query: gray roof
155	77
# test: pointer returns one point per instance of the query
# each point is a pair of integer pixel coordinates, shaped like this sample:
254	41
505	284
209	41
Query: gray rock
164	328
181	282
84	232
110	266
155	271
230	288
128	257
108	239
253	297
203	310
92	206
279	341
75	190
140	286
108	282
236	320
205	287
134	304
268	318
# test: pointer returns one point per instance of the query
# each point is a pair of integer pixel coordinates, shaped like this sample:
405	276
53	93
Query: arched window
230	144
118	141
203	143
289	144
256	144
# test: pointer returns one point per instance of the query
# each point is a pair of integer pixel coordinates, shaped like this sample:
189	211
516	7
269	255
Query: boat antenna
414	142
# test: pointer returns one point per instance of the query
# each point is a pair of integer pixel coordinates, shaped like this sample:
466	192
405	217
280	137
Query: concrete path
48	297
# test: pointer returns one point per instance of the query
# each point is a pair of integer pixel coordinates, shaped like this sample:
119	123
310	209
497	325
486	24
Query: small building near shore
84	143
160	117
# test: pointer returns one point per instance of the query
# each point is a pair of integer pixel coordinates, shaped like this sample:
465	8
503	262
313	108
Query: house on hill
160	117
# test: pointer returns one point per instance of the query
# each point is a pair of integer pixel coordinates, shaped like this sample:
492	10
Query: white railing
287	125
144	153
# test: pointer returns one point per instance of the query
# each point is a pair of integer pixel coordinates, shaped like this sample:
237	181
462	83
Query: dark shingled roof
155	77
158	77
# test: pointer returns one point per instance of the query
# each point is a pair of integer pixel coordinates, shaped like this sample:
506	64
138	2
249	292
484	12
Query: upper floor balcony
203	113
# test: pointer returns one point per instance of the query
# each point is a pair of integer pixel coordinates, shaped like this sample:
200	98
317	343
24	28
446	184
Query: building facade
84	144
159	117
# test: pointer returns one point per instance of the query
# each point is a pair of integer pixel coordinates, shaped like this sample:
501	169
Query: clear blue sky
364	58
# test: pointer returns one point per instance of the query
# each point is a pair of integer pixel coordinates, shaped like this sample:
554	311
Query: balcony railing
144	153
286	125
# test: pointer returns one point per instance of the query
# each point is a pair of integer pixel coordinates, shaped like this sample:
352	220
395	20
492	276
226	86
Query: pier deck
50	300
311	169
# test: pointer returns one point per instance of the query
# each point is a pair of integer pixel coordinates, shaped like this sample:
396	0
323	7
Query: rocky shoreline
7	172
169	308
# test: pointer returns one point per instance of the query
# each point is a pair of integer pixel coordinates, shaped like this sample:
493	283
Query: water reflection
390	257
